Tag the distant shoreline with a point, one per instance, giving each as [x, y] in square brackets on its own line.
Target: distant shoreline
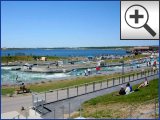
[109, 47]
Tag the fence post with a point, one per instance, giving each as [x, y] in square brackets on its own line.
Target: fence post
[137, 75]
[119, 80]
[80, 111]
[67, 92]
[93, 86]
[27, 114]
[37, 102]
[33, 99]
[129, 78]
[54, 113]
[45, 97]
[69, 109]
[107, 83]
[133, 77]
[77, 90]
[148, 72]
[113, 81]
[145, 73]
[63, 111]
[101, 85]
[86, 88]
[57, 94]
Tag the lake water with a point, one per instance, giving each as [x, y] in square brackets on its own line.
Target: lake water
[63, 52]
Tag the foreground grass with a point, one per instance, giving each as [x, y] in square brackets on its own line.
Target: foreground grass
[109, 106]
[52, 85]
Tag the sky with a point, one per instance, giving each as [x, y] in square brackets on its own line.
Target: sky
[32, 24]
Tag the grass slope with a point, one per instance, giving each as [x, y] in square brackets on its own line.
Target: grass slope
[109, 106]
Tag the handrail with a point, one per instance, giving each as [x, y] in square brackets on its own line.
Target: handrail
[150, 69]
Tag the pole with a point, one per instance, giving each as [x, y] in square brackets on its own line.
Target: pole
[57, 95]
[80, 110]
[77, 90]
[32, 99]
[85, 88]
[67, 92]
[63, 111]
[54, 113]
[69, 109]
[45, 97]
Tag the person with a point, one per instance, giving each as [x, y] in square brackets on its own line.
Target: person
[16, 77]
[22, 87]
[154, 69]
[138, 66]
[131, 90]
[149, 63]
[89, 71]
[145, 83]
[122, 91]
[97, 69]
[154, 64]
[127, 90]
[85, 73]
[57, 64]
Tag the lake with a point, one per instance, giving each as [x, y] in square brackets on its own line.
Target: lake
[63, 52]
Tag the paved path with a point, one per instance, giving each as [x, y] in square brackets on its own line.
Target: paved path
[62, 107]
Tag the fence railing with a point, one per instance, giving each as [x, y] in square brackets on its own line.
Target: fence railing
[82, 89]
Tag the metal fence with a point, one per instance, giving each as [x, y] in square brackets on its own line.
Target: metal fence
[67, 108]
[82, 89]
[148, 109]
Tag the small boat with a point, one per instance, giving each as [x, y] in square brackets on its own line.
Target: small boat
[128, 51]
[15, 68]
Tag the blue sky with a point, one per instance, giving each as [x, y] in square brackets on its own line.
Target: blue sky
[62, 24]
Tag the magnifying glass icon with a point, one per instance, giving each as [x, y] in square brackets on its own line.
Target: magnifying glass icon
[136, 16]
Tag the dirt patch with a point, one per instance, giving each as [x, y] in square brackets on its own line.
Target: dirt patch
[119, 110]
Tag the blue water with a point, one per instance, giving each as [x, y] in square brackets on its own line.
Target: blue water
[63, 52]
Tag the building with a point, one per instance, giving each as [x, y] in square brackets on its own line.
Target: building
[43, 59]
[145, 48]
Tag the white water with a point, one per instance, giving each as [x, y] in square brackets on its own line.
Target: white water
[9, 77]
